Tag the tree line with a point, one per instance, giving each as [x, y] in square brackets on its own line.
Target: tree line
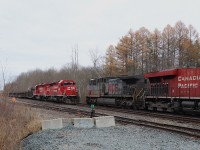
[143, 51]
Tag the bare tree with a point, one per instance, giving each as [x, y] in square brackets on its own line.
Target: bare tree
[3, 75]
[97, 60]
[75, 58]
[4, 80]
[181, 33]
[94, 54]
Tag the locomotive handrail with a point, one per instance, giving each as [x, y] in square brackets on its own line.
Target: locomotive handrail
[134, 92]
[139, 93]
[143, 94]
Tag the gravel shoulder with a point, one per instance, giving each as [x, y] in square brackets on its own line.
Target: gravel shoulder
[112, 138]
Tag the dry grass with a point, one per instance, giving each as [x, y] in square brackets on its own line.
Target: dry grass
[16, 122]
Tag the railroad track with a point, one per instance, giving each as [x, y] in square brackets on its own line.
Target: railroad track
[169, 116]
[86, 111]
[172, 128]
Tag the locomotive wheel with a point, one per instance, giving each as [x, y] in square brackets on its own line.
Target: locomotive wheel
[164, 109]
[154, 108]
[124, 105]
[146, 108]
[68, 101]
[118, 102]
[88, 101]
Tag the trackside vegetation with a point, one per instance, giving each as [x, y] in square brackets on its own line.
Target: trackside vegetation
[17, 122]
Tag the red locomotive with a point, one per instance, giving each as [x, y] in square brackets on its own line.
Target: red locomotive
[170, 90]
[40, 91]
[61, 91]
[177, 89]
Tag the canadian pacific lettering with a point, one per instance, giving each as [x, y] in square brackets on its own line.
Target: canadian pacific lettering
[182, 79]
[190, 78]
[189, 85]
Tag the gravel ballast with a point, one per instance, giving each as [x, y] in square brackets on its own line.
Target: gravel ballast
[111, 138]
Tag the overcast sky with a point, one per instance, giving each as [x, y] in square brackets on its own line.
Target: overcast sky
[42, 33]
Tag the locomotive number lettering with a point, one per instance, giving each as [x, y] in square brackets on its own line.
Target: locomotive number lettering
[113, 88]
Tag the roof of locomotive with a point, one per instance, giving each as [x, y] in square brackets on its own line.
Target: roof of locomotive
[66, 81]
[52, 83]
[136, 77]
[171, 72]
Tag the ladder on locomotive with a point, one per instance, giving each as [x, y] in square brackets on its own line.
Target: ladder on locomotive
[139, 99]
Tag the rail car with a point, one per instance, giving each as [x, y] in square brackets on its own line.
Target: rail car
[61, 91]
[25, 94]
[170, 90]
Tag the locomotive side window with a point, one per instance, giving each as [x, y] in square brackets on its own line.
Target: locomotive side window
[92, 82]
[68, 83]
[145, 81]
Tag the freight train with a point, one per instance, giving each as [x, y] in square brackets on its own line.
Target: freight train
[175, 90]
[61, 91]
